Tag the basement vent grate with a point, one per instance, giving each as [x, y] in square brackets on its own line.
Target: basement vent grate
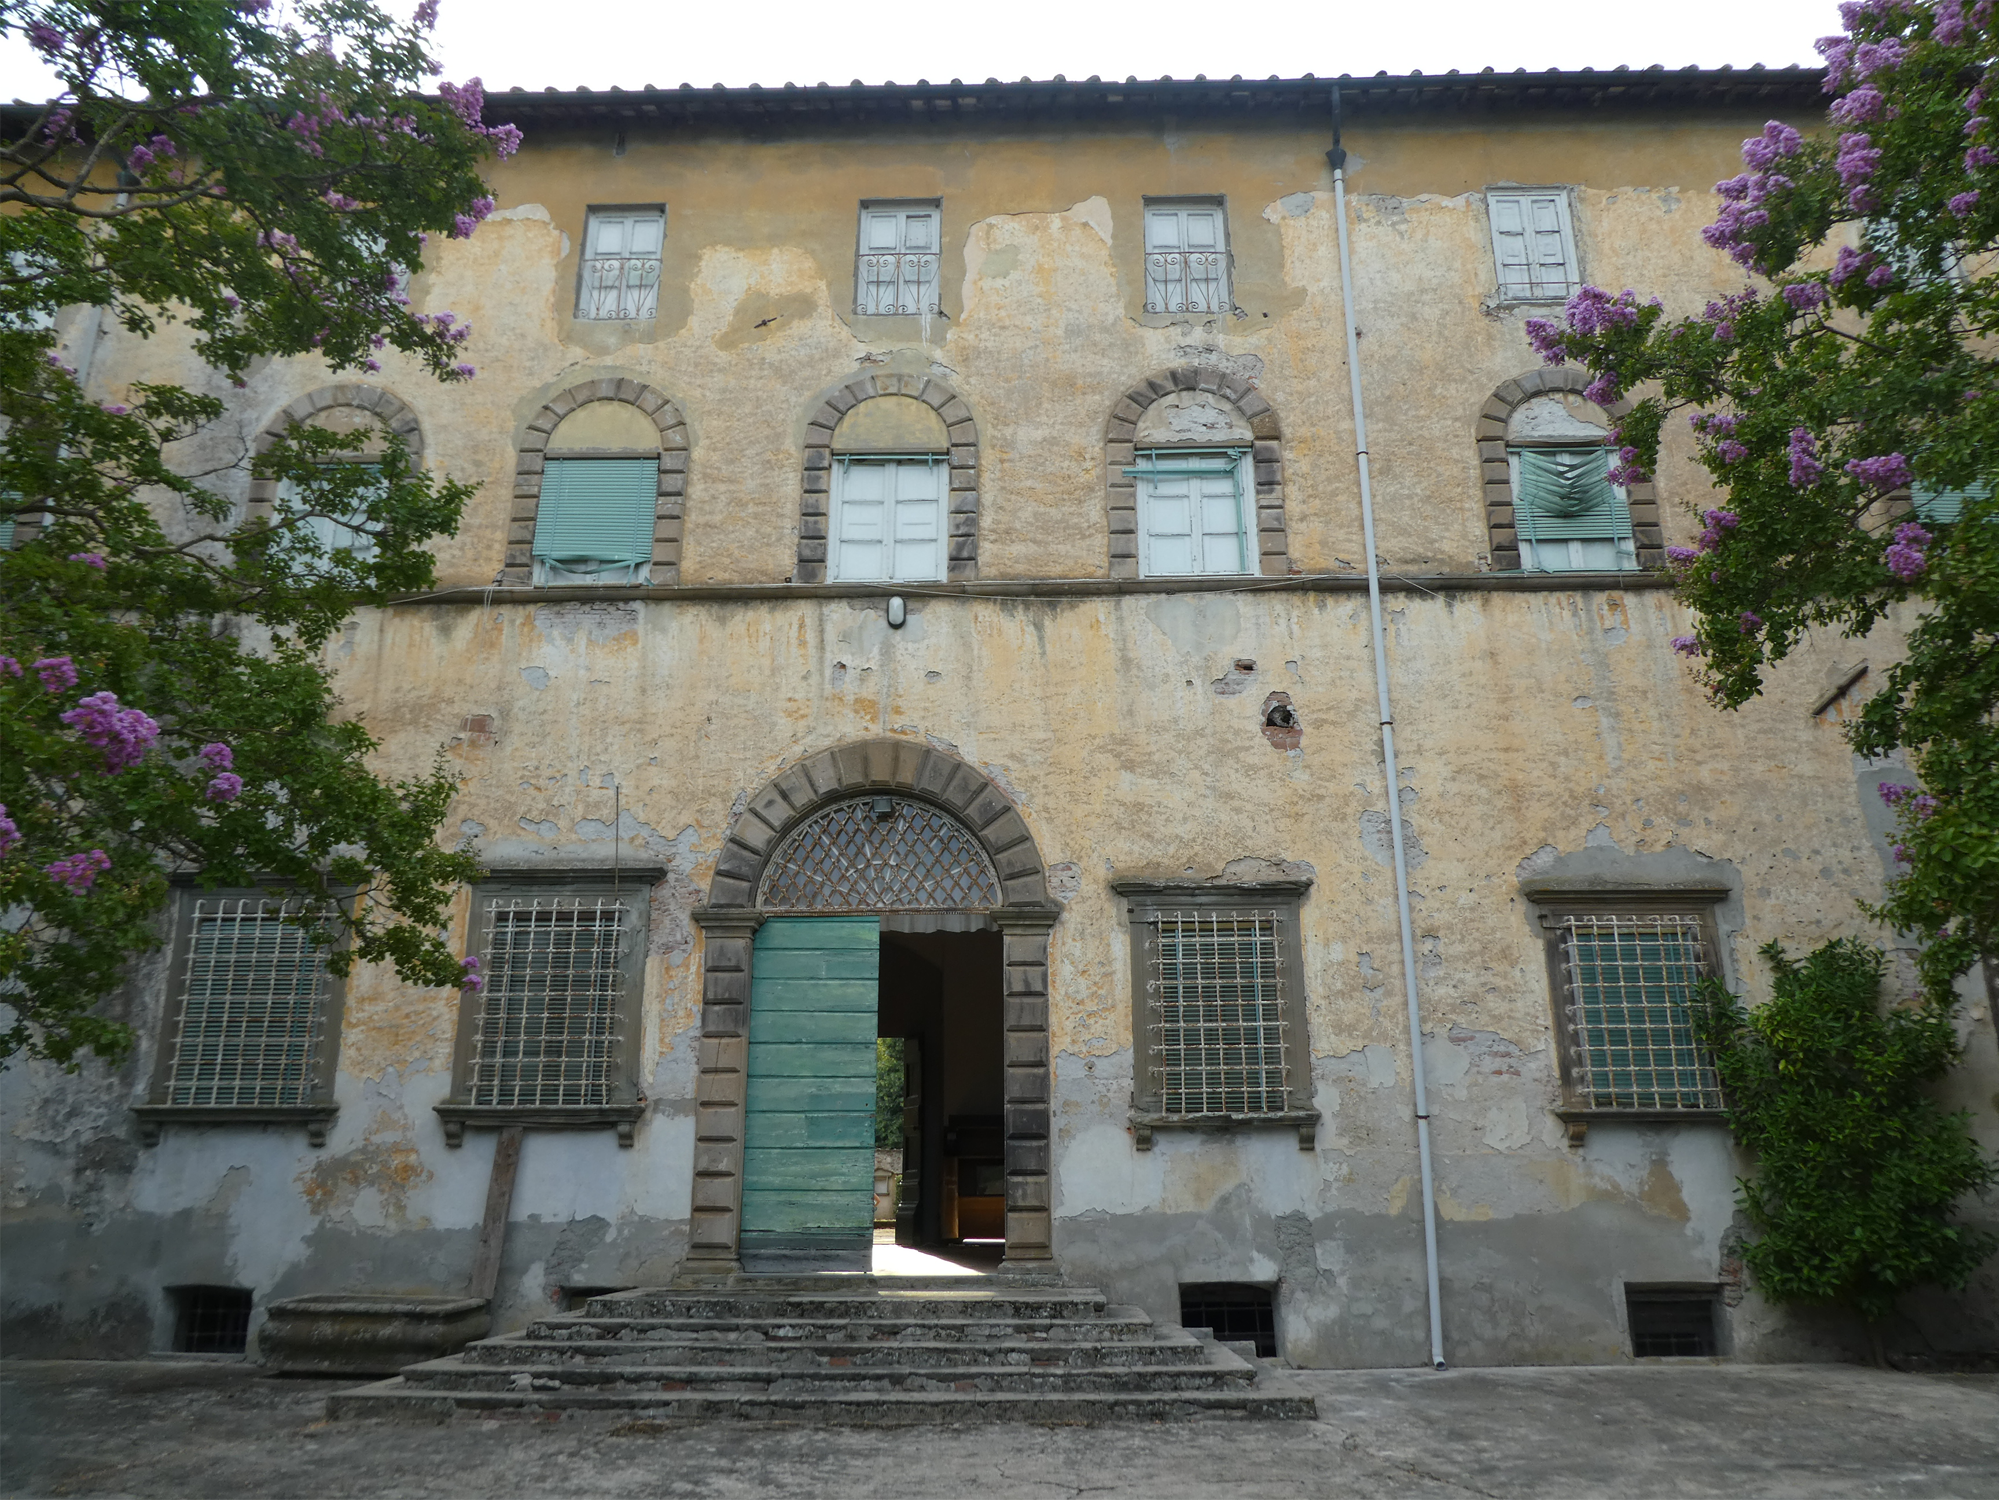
[211, 1319]
[1236, 1312]
[1670, 1321]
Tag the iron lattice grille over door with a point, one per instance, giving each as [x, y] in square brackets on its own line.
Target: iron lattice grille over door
[249, 1028]
[880, 854]
[1630, 982]
[547, 1033]
[1218, 1044]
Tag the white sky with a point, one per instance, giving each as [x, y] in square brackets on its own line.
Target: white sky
[571, 45]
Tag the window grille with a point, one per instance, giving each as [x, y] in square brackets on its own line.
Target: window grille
[1630, 984]
[1192, 519]
[1233, 1312]
[254, 1006]
[888, 519]
[547, 1031]
[1533, 246]
[880, 854]
[1218, 1044]
[1186, 259]
[620, 272]
[1569, 516]
[896, 270]
[1670, 1321]
[211, 1319]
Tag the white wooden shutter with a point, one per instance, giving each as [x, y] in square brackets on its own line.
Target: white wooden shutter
[888, 520]
[620, 275]
[1191, 515]
[1186, 259]
[1533, 245]
[896, 271]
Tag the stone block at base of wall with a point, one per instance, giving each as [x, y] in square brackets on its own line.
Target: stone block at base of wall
[366, 1333]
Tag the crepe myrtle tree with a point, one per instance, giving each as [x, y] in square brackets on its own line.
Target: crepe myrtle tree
[1846, 403]
[267, 182]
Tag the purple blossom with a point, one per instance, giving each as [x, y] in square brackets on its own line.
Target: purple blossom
[426, 15]
[1714, 423]
[463, 372]
[1682, 554]
[1593, 311]
[1860, 107]
[10, 835]
[1924, 806]
[1948, 29]
[227, 786]
[1751, 622]
[1729, 451]
[58, 673]
[1979, 156]
[1838, 54]
[1888, 472]
[1806, 470]
[1777, 141]
[218, 755]
[1806, 295]
[1962, 205]
[1901, 853]
[1851, 262]
[1687, 645]
[1627, 473]
[1718, 522]
[45, 39]
[1881, 276]
[1892, 793]
[10, 666]
[79, 871]
[1603, 390]
[1905, 557]
[469, 977]
[124, 735]
[1870, 58]
[89, 560]
[1857, 161]
[112, 408]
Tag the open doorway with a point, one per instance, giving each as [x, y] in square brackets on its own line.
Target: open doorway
[943, 1149]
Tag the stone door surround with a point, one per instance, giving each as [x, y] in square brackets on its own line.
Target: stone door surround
[910, 769]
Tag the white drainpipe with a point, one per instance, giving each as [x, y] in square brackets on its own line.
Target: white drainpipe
[1337, 156]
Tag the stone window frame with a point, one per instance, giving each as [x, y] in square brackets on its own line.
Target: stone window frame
[627, 1104]
[1549, 906]
[670, 510]
[962, 502]
[395, 413]
[729, 922]
[317, 1114]
[1266, 457]
[1143, 900]
[1496, 475]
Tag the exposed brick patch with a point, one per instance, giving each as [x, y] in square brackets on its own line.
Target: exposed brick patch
[1496, 480]
[670, 510]
[962, 503]
[1121, 491]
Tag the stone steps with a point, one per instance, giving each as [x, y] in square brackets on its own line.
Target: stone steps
[721, 1351]
[847, 1350]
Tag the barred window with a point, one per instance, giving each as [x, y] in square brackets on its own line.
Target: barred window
[549, 1022]
[1186, 257]
[619, 276]
[895, 269]
[1219, 1013]
[253, 1009]
[1626, 983]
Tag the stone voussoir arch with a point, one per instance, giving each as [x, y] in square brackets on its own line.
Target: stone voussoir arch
[395, 413]
[915, 771]
[815, 497]
[1496, 476]
[670, 510]
[1267, 454]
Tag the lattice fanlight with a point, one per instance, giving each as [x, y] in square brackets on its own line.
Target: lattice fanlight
[880, 854]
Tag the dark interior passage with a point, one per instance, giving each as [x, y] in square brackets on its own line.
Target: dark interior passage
[941, 992]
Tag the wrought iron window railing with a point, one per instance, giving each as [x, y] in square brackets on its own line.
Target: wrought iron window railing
[1630, 983]
[1191, 281]
[619, 287]
[898, 281]
[1218, 1030]
[547, 1033]
[880, 854]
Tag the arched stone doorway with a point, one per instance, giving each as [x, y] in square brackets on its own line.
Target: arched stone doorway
[896, 828]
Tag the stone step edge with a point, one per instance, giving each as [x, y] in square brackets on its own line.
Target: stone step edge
[1271, 1402]
[569, 1376]
[599, 1350]
[1116, 1320]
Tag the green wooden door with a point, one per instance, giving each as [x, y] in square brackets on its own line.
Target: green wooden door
[809, 1131]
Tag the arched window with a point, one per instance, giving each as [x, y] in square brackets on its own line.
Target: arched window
[891, 485]
[1194, 467]
[880, 853]
[363, 417]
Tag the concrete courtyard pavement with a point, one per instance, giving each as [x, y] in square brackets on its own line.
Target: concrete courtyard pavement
[198, 1429]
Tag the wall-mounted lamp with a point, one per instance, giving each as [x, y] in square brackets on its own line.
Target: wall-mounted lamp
[897, 611]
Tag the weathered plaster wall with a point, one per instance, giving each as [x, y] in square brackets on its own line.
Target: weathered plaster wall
[1543, 734]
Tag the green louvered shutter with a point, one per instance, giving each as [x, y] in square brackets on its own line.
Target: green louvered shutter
[1941, 507]
[596, 514]
[1565, 494]
[809, 1117]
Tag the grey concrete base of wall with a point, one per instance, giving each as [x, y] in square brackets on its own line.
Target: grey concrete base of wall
[363, 1333]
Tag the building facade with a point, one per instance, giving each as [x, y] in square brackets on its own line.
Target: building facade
[917, 588]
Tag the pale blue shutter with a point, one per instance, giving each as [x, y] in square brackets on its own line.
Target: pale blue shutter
[596, 514]
[1565, 494]
[1941, 507]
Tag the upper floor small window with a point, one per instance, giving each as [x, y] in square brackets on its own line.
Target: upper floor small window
[1193, 517]
[1186, 256]
[1533, 244]
[620, 272]
[895, 270]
